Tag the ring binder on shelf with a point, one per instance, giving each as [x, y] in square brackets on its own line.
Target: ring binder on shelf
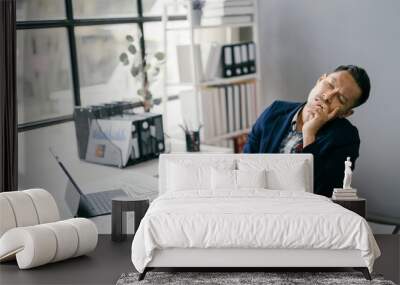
[227, 61]
[237, 60]
[252, 57]
[245, 58]
[230, 109]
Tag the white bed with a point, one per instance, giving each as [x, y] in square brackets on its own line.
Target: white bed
[201, 220]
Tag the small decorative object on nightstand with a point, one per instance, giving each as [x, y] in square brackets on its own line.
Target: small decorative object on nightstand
[347, 192]
[357, 205]
[348, 174]
[118, 215]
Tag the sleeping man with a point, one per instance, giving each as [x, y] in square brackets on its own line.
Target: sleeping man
[318, 126]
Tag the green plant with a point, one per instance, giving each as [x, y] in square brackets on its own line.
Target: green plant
[145, 73]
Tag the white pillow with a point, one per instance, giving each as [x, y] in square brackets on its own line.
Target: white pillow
[182, 177]
[237, 179]
[193, 173]
[251, 178]
[223, 179]
[282, 174]
[292, 178]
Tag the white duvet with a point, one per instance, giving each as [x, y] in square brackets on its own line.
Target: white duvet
[253, 218]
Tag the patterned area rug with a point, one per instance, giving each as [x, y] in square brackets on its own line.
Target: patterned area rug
[229, 278]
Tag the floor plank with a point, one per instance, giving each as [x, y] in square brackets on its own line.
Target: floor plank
[103, 266]
[110, 260]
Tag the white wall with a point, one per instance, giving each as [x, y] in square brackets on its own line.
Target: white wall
[300, 40]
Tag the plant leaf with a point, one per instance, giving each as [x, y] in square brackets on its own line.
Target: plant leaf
[129, 38]
[156, 71]
[140, 92]
[123, 57]
[159, 56]
[132, 49]
[135, 70]
[126, 62]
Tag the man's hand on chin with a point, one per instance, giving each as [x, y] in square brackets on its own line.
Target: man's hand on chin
[319, 116]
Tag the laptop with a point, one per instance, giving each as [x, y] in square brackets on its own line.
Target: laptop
[93, 204]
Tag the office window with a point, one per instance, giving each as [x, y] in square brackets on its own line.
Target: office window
[155, 8]
[44, 81]
[174, 118]
[154, 43]
[84, 38]
[105, 8]
[29, 10]
[102, 76]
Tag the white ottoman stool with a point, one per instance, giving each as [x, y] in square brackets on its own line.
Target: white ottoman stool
[31, 233]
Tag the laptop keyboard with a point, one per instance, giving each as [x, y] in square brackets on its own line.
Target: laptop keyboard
[133, 185]
[101, 203]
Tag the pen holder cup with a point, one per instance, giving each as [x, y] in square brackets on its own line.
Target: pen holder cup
[192, 141]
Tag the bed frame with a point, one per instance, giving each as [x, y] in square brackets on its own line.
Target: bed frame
[240, 259]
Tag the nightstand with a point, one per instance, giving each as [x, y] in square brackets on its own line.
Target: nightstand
[118, 215]
[358, 205]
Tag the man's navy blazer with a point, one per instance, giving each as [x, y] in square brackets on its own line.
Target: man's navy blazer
[334, 142]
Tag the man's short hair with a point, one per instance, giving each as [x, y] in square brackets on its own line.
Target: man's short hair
[361, 77]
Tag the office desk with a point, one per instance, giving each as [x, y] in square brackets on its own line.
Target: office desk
[141, 178]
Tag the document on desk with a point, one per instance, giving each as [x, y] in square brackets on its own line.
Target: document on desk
[137, 185]
[109, 142]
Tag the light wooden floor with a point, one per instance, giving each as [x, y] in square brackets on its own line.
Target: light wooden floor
[110, 260]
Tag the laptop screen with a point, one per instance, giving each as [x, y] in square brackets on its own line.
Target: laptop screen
[72, 191]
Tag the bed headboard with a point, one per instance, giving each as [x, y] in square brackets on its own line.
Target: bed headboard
[289, 161]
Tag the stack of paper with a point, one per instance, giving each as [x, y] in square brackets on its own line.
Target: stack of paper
[218, 12]
[344, 194]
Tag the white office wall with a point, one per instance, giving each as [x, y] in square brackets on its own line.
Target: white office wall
[300, 40]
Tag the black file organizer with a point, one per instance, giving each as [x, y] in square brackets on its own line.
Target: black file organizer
[152, 137]
[84, 115]
[82, 119]
[136, 153]
[147, 129]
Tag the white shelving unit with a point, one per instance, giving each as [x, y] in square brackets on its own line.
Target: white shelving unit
[231, 80]
[196, 85]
